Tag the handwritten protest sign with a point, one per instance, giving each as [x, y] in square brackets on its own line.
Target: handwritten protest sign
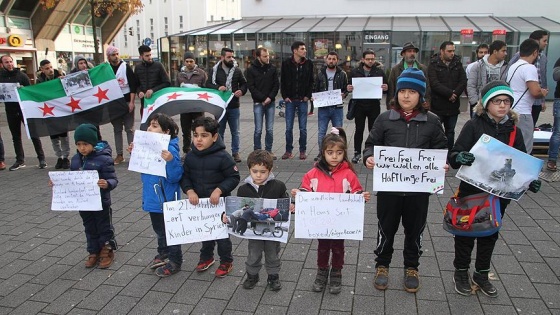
[8, 92]
[329, 216]
[367, 88]
[75, 191]
[186, 223]
[327, 98]
[408, 170]
[146, 155]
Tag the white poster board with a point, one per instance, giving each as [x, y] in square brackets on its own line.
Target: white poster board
[75, 191]
[8, 92]
[186, 223]
[500, 169]
[329, 216]
[367, 88]
[409, 170]
[327, 98]
[146, 155]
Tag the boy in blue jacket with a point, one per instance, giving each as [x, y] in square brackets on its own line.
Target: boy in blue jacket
[158, 189]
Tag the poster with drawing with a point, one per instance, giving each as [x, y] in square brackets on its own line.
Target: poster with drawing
[146, 155]
[74, 83]
[8, 92]
[258, 218]
[500, 169]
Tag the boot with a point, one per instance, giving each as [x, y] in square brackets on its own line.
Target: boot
[274, 282]
[106, 256]
[480, 278]
[251, 281]
[411, 280]
[335, 285]
[321, 279]
[462, 283]
[381, 278]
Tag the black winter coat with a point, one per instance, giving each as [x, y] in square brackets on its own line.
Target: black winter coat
[238, 82]
[43, 78]
[206, 170]
[445, 81]
[472, 130]
[262, 81]
[297, 79]
[151, 76]
[340, 81]
[358, 72]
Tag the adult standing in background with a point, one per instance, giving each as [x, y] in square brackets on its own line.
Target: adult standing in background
[151, 76]
[408, 53]
[554, 145]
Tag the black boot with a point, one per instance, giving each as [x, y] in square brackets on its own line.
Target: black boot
[335, 285]
[321, 279]
[274, 282]
[462, 283]
[251, 281]
[480, 278]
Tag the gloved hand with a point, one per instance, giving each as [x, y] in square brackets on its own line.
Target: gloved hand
[535, 185]
[465, 158]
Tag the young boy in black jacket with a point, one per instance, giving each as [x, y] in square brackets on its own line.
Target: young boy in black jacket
[210, 172]
[262, 184]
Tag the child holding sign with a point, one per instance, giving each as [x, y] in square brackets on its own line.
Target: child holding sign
[158, 189]
[333, 173]
[210, 172]
[406, 125]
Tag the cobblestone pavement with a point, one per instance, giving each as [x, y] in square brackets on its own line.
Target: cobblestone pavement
[42, 254]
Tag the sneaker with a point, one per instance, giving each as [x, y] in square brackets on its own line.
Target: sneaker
[411, 280]
[92, 260]
[168, 269]
[381, 278]
[2, 166]
[236, 157]
[42, 164]
[224, 269]
[106, 256]
[204, 265]
[273, 283]
[320, 279]
[58, 164]
[317, 157]
[251, 281]
[158, 261]
[310, 114]
[65, 163]
[480, 279]
[119, 159]
[17, 166]
[302, 155]
[335, 278]
[462, 283]
[287, 155]
[357, 157]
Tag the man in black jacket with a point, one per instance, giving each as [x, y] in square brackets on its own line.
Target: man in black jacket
[150, 74]
[10, 74]
[447, 80]
[262, 82]
[226, 76]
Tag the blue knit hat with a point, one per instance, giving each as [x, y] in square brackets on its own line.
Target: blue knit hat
[414, 79]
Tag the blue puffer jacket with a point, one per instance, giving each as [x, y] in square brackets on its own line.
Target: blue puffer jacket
[157, 189]
[100, 160]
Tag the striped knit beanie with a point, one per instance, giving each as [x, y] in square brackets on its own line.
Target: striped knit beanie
[495, 88]
[413, 79]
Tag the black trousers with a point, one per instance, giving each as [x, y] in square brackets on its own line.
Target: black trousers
[173, 252]
[484, 247]
[362, 112]
[15, 119]
[413, 210]
[98, 228]
[224, 250]
[186, 124]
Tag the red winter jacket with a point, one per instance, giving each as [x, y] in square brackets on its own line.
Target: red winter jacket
[341, 180]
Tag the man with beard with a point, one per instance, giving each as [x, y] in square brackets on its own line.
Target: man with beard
[330, 78]
[481, 51]
[226, 76]
[151, 76]
[190, 76]
[127, 82]
[447, 80]
[262, 81]
[365, 108]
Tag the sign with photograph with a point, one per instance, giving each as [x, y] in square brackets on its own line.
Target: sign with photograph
[8, 92]
[77, 82]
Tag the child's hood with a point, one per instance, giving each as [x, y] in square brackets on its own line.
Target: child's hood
[249, 180]
[215, 147]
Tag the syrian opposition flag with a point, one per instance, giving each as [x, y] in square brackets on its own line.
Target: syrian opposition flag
[180, 100]
[47, 109]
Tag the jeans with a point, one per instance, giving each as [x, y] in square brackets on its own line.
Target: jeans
[302, 121]
[260, 111]
[61, 145]
[232, 119]
[554, 144]
[15, 118]
[128, 122]
[173, 252]
[334, 114]
[186, 124]
[449, 122]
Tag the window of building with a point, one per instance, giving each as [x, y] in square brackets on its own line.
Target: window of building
[181, 22]
[165, 25]
[151, 24]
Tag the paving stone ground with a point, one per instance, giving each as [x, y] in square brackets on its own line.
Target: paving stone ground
[42, 253]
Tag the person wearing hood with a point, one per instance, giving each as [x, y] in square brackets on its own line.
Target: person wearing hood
[490, 68]
[263, 83]
[447, 80]
[150, 74]
[11, 74]
[80, 64]
[190, 76]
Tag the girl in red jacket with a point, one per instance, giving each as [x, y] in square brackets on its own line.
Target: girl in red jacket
[332, 173]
